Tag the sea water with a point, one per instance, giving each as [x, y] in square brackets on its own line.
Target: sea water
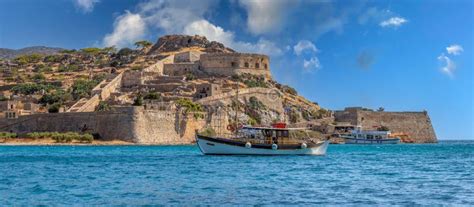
[404, 174]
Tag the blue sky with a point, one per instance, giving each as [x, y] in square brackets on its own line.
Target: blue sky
[401, 55]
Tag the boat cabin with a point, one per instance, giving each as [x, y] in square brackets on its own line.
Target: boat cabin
[271, 135]
[369, 134]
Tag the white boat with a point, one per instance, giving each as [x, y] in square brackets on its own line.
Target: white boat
[260, 141]
[359, 136]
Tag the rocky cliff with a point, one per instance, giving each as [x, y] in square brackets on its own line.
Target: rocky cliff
[170, 43]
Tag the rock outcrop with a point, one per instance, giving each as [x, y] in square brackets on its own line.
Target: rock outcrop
[171, 43]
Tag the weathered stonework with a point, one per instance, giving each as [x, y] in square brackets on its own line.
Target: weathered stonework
[417, 125]
[229, 64]
[133, 124]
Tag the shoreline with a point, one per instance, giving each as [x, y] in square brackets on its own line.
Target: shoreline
[51, 142]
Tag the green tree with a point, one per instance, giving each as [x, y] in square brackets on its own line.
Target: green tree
[143, 44]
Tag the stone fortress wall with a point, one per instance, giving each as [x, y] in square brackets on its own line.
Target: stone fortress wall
[222, 64]
[236, 63]
[416, 125]
[133, 124]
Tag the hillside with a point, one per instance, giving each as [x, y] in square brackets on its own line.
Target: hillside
[169, 89]
[11, 53]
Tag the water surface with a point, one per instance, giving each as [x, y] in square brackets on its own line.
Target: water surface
[406, 174]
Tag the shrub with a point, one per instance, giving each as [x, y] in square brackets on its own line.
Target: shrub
[190, 76]
[198, 116]
[152, 96]
[82, 88]
[255, 104]
[5, 135]
[289, 89]
[138, 101]
[87, 138]
[209, 132]
[31, 88]
[3, 98]
[38, 77]
[189, 105]
[252, 121]
[58, 96]
[103, 106]
[70, 136]
[54, 108]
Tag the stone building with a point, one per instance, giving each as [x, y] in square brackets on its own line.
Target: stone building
[11, 109]
[207, 90]
[229, 64]
[189, 56]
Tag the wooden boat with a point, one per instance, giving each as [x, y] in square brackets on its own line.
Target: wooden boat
[261, 141]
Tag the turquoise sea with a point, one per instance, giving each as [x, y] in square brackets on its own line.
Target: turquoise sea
[405, 174]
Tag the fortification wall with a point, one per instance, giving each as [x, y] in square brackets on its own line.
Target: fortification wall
[229, 64]
[417, 125]
[116, 124]
[180, 69]
[158, 66]
[133, 124]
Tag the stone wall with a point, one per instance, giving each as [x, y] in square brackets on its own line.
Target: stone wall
[133, 124]
[158, 66]
[229, 64]
[269, 97]
[116, 124]
[417, 125]
[132, 79]
[180, 69]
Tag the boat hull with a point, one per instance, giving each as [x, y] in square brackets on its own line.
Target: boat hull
[216, 146]
[371, 141]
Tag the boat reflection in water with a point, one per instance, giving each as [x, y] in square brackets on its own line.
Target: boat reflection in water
[275, 140]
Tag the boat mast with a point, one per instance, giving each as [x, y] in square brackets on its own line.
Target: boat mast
[237, 108]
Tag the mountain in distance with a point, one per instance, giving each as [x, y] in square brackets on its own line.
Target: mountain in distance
[6, 53]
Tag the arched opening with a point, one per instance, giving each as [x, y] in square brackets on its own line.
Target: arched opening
[246, 64]
[257, 65]
[265, 66]
[233, 64]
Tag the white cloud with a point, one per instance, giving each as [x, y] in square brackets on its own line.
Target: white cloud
[265, 16]
[311, 64]
[393, 22]
[212, 32]
[173, 16]
[86, 5]
[454, 49]
[303, 45]
[216, 33]
[183, 17]
[449, 66]
[128, 28]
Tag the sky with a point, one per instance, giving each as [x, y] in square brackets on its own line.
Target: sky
[402, 55]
